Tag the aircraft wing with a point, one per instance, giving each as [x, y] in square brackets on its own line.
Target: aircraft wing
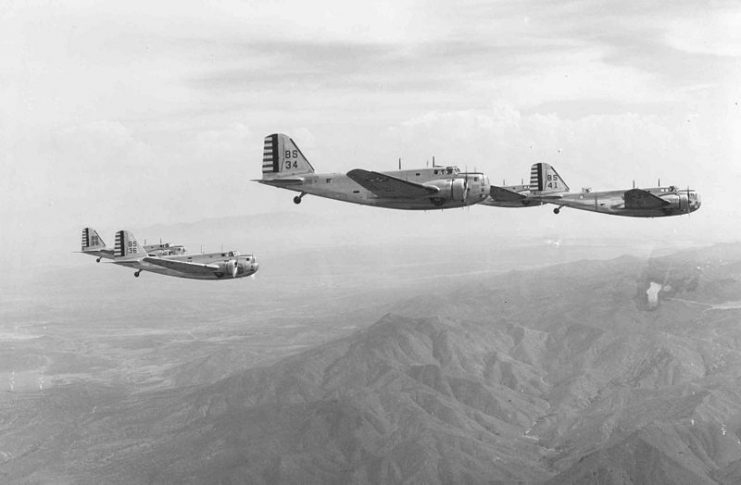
[503, 194]
[642, 199]
[183, 266]
[387, 186]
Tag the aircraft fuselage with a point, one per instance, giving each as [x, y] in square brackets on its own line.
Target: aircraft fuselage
[339, 186]
[246, 266]
[612, 202]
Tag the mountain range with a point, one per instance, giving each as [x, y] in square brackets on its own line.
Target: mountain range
[558, 374]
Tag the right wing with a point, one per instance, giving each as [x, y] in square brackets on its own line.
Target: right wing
[183, 266]
[387, 186]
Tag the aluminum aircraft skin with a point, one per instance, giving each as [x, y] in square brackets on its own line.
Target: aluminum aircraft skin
[284, 166]
[223, 265]
[547, 187]
[93, 245]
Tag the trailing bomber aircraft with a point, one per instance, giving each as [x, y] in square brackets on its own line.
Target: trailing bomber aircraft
[284, 166]
[210, 266]
[93, 245]
[547, 187]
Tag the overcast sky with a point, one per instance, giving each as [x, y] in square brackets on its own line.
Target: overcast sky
[133, 113]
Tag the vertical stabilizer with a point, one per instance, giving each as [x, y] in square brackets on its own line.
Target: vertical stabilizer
[91, 241]
[282, 157]
[127, 247]
[545, 180]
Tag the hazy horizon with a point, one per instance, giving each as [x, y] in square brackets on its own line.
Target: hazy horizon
[136, 115]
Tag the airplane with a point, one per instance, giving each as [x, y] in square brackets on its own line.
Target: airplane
[93, 245]
[284, 166]
[547, 187]
[210, 266]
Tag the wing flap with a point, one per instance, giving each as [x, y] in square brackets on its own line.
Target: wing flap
[183, 266]
[391, 187]
[642, 199]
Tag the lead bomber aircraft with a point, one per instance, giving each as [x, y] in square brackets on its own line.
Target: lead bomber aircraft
[284, 166]
[93, 245]
[547, 187]
[209, 266]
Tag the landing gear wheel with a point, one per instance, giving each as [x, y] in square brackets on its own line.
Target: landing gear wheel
[97, 260]
[297, 199]
[136, 275]
[557, 210]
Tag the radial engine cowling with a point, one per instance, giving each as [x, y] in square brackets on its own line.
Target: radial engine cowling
[231, 267]
[684, 203]
[458, 190]
[679, 202]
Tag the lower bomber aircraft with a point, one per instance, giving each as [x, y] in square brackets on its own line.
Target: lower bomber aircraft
[93, 245]
[284, 166]
[209, 266]
[547, 187]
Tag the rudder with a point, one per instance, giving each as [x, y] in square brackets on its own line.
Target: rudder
[91, 241]
[544, 179]
[281, 156]
[126, 246]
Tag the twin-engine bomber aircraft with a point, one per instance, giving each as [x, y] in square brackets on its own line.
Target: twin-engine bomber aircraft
[284, 166]
[547, 187]
[93, 245]
[210, 266]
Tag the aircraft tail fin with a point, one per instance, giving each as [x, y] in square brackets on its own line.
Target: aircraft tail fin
[91, 241]
[545, 180]
[281, 157]
[126, 246]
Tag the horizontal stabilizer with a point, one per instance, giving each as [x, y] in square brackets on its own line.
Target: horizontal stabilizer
[282, 181]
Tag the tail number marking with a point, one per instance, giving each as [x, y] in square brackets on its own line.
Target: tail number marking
[291, 154]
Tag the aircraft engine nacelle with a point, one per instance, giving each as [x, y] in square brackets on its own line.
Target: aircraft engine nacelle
[231, 267]
[684, 203]
[458, 190]
[679, 202]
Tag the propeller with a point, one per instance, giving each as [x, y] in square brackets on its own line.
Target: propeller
[689, 208]
[465, 187]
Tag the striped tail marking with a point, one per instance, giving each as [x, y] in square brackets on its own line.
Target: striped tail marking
[536, 177]
[270, 155]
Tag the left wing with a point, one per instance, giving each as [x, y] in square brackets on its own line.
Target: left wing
[387, 186]
[505, 194]
[642, 199]
[183, 266]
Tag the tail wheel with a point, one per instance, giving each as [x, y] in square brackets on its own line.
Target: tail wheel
[297, 199]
